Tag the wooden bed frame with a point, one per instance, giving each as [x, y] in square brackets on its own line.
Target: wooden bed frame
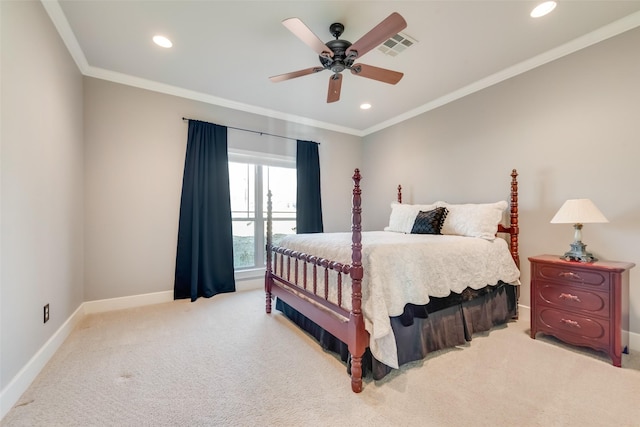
[301, 293]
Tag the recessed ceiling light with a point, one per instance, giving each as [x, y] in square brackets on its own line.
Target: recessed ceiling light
[162, 41]
[542, 9]
[365, 106]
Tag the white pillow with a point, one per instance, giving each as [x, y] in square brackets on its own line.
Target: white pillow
[403, 216]
[473, 220]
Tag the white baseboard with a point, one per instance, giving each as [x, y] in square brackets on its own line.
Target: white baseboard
[102, 305]
[23, 379]
[634, 341]
[21, 382]
[111, 304]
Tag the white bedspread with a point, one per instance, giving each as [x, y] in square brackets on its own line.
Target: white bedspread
[408, 268]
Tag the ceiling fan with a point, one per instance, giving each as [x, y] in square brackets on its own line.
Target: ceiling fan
[339, 55]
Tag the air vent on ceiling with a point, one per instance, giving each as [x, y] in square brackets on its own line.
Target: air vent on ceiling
[396, 44]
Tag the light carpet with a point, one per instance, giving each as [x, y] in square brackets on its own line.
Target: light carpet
[224, 362]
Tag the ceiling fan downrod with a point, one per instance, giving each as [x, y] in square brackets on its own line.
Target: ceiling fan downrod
[340, 60]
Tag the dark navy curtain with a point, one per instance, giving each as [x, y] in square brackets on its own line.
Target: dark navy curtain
[204, 259]
[308, 204]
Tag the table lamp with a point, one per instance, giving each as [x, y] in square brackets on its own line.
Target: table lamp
[578, 212]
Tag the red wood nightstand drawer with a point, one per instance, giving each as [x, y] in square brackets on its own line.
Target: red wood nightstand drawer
[573, 275]
[573, 327]
[575, 298]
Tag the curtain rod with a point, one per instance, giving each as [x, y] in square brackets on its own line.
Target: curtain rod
[255, 131]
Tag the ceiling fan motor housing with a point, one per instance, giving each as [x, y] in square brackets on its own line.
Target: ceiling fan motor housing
[340, 61]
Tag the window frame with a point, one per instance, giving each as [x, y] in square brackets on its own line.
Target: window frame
[258, 160]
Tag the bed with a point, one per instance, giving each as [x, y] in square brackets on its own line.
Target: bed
[435, 276]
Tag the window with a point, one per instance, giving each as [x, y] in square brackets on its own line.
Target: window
[250, 179]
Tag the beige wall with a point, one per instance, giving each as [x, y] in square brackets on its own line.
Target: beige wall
[42, 213]
[571, 130]
[92, 170]
[91, 178]
[135, 147]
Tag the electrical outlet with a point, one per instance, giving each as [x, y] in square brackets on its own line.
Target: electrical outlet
[46, 313]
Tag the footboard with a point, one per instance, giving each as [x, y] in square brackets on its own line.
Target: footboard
[318, 287]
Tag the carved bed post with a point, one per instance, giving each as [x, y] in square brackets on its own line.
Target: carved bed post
[267, 273]
[358, 339]
[399, 193]
[515, 253]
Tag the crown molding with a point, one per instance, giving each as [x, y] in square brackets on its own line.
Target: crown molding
[151, 85]
[62, 25]
[620, 26]
[57, 16]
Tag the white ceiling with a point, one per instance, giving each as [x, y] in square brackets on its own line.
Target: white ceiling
[224, 51]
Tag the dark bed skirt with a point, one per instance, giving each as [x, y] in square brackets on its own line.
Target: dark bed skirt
[443, 323]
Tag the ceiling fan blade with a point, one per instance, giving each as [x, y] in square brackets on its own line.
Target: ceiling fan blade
[335, 84]
[294, 74]
[300, 30]
[375, 73]
[390, 26]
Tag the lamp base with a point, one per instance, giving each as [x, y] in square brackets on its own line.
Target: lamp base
[579, 253]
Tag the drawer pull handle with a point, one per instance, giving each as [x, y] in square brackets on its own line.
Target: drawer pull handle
[572, 323]
[570, 275]
[569, 297]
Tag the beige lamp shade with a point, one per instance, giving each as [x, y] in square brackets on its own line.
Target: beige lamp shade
[578, 211]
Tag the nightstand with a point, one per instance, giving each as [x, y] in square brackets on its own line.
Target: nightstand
[585, 304]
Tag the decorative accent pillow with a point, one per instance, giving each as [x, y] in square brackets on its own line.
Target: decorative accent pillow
[403, 216]
[429, 222]
[473, 220]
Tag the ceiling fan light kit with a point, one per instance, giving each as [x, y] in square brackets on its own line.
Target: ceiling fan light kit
[339, 55]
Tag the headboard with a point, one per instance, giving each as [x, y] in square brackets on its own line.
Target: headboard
[512, 228]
